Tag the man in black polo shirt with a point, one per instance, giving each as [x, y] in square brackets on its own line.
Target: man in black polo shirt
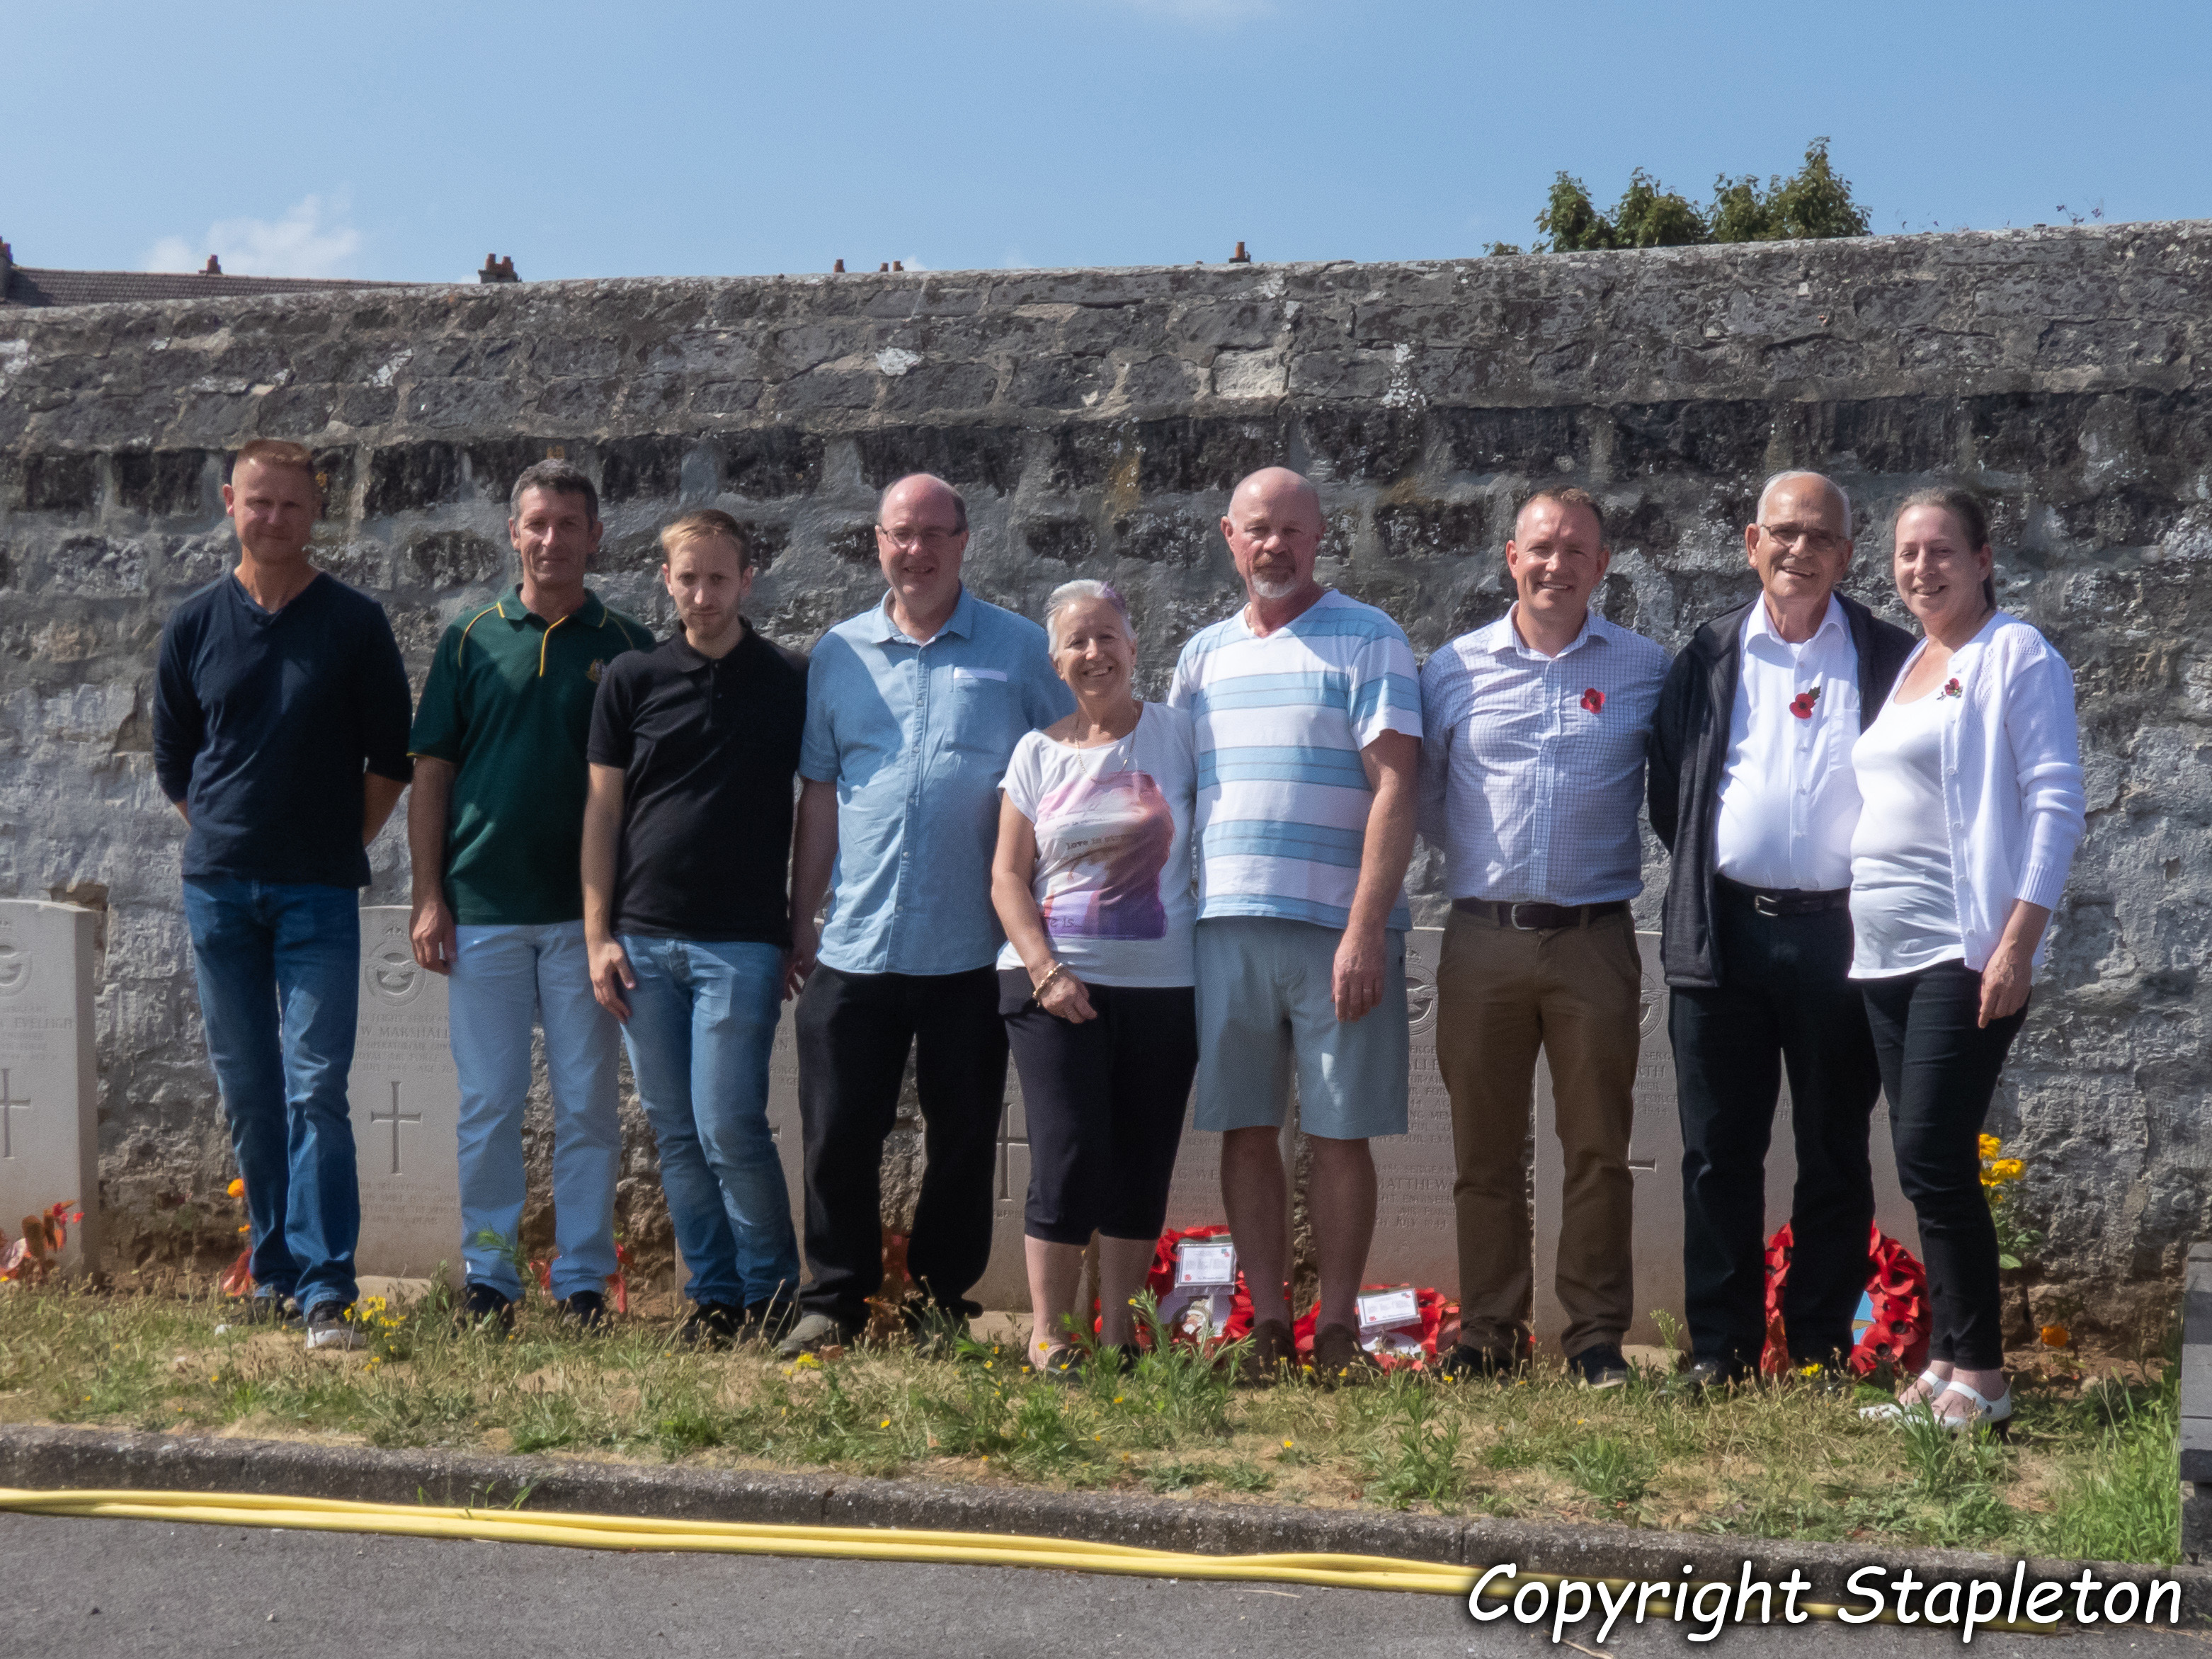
[687, 915]
[280, 733]
[494, 825]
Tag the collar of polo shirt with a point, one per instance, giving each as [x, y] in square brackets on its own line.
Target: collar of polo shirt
[960, 622]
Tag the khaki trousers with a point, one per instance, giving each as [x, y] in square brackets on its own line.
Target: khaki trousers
[1501, 993]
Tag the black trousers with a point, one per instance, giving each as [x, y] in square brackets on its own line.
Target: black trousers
[1104, 1104]
[1784, 1002]
[1939, 1069]
[855, 1031]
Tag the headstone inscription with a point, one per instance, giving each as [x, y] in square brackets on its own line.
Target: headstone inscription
[49, 1072]
[405, 1103]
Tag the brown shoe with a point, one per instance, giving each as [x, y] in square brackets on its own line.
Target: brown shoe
[1337, 1358]
[1273, 1348]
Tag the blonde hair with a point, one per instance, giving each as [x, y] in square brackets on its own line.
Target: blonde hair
[278, 452]
[706, 524]
[1076, 593]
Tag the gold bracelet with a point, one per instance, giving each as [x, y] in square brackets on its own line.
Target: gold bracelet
[1045, 984]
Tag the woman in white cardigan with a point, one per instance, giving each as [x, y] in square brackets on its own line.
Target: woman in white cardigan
[1972, 780]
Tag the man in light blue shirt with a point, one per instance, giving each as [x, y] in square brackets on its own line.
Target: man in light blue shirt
[912, 709]
[1532, 771]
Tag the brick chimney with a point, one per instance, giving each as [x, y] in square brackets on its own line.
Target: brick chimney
[214, 267]
[498, 270]
[1240, 258]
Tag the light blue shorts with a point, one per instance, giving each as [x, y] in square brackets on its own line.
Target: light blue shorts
[1267, 1012]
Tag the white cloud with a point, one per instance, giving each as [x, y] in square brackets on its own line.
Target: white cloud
[311, 240]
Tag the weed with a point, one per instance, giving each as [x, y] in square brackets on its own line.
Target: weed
[1421, 1461]
[1609, 1470]
[1176, 1477]
[1244, 1475]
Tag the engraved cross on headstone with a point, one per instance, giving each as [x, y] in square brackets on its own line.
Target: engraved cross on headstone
[9, 1107]
[395, 1117]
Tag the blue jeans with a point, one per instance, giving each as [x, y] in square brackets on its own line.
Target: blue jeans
[702, 1021]
[506, 979]
[279, 968]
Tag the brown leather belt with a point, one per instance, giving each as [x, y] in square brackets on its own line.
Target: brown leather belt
[1540, 917]
[1786, 900]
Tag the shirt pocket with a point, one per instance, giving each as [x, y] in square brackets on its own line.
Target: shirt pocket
[981, 714]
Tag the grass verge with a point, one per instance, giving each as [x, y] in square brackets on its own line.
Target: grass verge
[2091, 1470]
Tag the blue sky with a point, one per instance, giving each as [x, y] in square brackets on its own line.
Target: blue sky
[406, 140]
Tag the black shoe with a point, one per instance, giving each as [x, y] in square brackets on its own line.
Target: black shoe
[1601, 1365]
[1703, 1376]
[262, 1308]
[770, 1319]
[586, 1310]
[1469, 1362]
[713, 1325]
[484, 1309]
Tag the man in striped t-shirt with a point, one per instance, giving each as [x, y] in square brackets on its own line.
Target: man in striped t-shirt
[1308, 713]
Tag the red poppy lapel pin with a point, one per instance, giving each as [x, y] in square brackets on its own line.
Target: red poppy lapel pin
[1593, 700]
[1951, 688]
[1801, 704]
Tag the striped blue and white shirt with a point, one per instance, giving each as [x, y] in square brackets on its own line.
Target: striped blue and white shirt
[1282, 794]
[1533, 771]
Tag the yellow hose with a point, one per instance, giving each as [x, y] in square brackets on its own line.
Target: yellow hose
[613, 1532]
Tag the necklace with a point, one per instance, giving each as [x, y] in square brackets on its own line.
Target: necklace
[1115, 750]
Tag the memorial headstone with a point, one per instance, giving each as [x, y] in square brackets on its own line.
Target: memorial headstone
[49, 1072]
[406, 1102]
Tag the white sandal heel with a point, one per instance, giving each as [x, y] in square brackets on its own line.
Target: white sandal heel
[1995, 1413]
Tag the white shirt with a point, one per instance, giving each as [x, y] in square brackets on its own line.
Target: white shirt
[1532, 767]
[1788, 801]
[2012, 801]
[1905, 908]
[1114, 881]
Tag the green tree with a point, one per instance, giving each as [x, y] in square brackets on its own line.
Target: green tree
[1650, 215]
[1814, 201]
[1572, 222]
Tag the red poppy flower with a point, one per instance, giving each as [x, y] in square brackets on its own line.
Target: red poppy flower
[1593, 700]
[1951, 688]
[1801, 704]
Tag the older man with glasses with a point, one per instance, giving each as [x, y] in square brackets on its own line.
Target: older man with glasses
[1752, 791]
[913, 707]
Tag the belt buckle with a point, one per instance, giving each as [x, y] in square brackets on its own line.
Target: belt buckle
[1765, 904]
[1513, 916]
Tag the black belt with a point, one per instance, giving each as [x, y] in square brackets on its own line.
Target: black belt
[1786, 900]
[1540, 917]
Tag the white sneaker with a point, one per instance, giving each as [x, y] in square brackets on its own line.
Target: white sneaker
[330, 1326]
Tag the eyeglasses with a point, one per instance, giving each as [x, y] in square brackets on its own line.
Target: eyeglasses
[933, 538]
[1814, 540]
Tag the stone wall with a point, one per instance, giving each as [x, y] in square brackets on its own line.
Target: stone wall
[1095, 420]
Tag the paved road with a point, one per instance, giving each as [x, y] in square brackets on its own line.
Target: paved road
[150, 1590]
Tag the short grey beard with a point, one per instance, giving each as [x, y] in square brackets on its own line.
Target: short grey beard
[1274, 588]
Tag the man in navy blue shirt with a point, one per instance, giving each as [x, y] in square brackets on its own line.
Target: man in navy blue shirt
[280, 733]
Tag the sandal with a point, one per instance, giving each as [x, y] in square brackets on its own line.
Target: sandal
[1057, 1363]
[1996, 1414]
[1890, 1411]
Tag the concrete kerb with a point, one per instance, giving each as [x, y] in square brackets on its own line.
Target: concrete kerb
[91, 1459]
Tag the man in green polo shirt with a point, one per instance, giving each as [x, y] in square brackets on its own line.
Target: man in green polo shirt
[495, 825]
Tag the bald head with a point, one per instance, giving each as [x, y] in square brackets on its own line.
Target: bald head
[1280, 492]
[921, 489]
[921, 530]
[1798, 482]
[1273, 529]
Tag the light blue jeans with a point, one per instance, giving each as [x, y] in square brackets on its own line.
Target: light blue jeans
[279, 967]
[505, 979]
[701, 1023]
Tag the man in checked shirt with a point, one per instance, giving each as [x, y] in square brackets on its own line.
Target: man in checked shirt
[1531, 776]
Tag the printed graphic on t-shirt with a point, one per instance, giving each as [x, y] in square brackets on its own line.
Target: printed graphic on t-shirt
[1106, 839]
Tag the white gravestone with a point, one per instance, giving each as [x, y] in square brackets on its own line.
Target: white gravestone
[406, 1102]
[49, 1072]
